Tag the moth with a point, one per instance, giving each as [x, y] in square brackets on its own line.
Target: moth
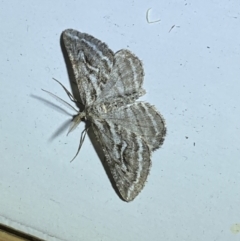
[127, 130]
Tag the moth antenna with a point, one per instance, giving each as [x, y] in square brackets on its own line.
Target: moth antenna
[71, 97]
[61, 100]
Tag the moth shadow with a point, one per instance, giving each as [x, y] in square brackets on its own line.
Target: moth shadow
[51, 104]
[65, 125]
[92, 137]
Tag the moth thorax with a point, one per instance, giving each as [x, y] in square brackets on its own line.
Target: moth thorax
[100, 108]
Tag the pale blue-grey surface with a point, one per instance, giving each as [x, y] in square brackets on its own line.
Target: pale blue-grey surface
[192, 75]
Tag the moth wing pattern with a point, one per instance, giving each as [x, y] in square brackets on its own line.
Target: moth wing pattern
[91, 61]
[143, 119]
[126, 78]
[127, 155]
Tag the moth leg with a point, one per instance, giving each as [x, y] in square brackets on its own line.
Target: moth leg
[83, 134]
